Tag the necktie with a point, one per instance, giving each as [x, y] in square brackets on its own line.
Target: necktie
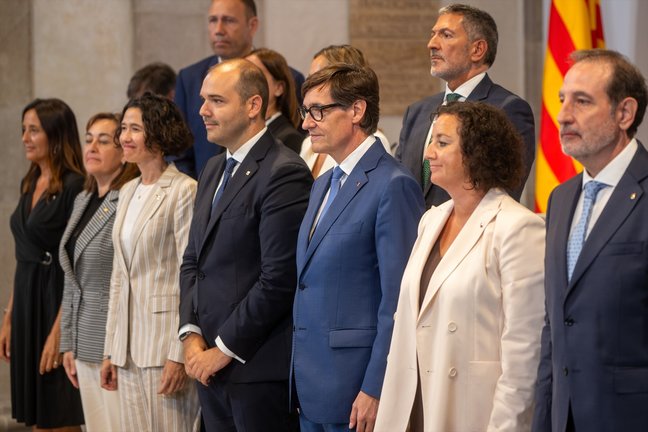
[425, 174]
[577, 239]
[333, 189]
[229, 168]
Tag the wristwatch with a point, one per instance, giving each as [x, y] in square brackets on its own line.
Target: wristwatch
[185, 335]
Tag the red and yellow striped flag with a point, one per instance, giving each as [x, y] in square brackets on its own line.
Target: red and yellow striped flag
[573, 25]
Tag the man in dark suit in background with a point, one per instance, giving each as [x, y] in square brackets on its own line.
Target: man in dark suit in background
[232, 25]
[352, 249]
[462, 48]
[593, 374]
[238, 274]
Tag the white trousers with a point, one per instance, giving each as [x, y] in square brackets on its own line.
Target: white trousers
[100, 407]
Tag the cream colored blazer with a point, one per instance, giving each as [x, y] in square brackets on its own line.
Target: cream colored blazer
[477, 334]
[144, 297]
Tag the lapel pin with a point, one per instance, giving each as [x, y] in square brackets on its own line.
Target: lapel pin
[157, 197]
[105, 209]
[358, 184]
[247, 173]
[633, 195]
[481, 224]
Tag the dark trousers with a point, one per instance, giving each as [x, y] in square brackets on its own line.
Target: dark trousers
[247, 407]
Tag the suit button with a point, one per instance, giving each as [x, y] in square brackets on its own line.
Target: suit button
[452, 327]
[452, 372]
[302, 286]
[565, 371]
[201, 275]
[569, 322]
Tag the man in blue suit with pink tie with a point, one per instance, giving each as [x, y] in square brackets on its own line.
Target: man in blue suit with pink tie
[593, 374]
[353, 245]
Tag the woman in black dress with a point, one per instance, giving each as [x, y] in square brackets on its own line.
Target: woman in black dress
[41, 394]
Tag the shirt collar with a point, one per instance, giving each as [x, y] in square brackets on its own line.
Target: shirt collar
[352, 160]
[466, 88]
[272, 118]
[614, 170]
[240, 154]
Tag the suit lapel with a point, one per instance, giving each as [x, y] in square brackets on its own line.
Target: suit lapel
[80, 205]
[482, 90]
[623, 200]
[202, 213]
[438, 217]
[421, 137]
[246, 171]
[563, 213]
[463, 244]
[126, 195]
[97, 222]
[153, 203]
[320, 187]
[354, 182]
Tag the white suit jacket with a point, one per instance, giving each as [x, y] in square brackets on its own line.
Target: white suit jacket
[477, 333]
[149, 289]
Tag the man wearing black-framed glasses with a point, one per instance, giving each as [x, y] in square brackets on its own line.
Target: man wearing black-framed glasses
[352, 249]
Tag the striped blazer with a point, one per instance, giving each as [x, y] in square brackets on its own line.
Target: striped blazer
[87, 279]
[147, 291]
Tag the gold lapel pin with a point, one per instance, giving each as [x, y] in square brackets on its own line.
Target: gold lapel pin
[105, 209]
[633, 195]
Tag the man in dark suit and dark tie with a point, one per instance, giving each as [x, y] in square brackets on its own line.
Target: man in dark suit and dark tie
[353, 245]
[593, 374]
[232, 25]
[462, 48]
[238, 274]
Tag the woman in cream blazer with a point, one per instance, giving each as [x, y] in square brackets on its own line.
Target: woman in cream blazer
[465, 348]
[143, 356]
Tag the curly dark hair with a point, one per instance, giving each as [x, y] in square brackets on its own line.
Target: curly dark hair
[490, 145]
[164, 127]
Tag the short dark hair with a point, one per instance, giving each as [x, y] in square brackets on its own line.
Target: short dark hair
[348, 83]
[127, 172]
[490, 145]
[164, 126]
[251, 81]
[478, 25]
[63, 145]
[158, 78]
[626, 80]
[342, 54]
[278, 68]
[250, 8]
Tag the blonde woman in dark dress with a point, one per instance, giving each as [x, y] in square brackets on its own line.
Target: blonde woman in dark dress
[41, 395]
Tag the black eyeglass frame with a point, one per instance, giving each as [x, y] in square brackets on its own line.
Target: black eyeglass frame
[319, 109]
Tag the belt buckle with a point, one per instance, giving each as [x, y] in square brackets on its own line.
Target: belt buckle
[48, 259]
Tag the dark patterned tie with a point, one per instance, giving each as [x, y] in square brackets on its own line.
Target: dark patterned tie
[229, 168]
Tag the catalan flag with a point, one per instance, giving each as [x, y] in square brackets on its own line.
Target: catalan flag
[573, 25]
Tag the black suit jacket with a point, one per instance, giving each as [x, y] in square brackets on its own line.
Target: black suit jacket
[594, 353]
[238, 275]
[187, 97]
[284, 131]
[418, 118]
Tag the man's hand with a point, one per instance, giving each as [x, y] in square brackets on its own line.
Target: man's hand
[363, 413]
[205, 364]
[5, 338]
[173, 378]
[193, 345]
[70, 368]
[108, 375]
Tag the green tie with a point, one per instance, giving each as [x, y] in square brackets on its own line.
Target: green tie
[425, 174]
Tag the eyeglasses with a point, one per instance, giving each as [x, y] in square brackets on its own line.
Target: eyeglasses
[316, 111]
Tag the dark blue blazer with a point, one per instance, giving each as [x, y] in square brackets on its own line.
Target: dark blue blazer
[349, 277]
[187, 97]
[238, 275]
[418, 118]
[594, 352]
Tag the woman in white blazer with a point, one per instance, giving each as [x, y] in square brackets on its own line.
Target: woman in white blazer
[143, 355]
[465, 347]
[86, 255]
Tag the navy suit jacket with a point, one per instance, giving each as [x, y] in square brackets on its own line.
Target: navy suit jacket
[238, 276]
[349, 277]
[418, 118]
[594, 352]
[187, 97]
[284, 131]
